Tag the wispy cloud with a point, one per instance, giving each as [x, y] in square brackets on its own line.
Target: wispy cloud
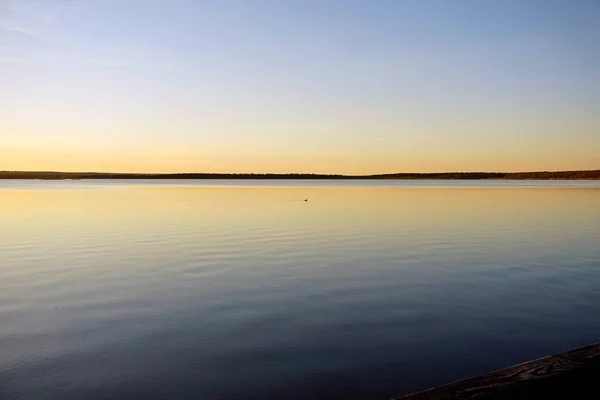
[17, 26]
[40, 21]
[34, 18]
[16, 21]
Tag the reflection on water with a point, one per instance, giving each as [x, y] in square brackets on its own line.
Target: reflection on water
[155, 291]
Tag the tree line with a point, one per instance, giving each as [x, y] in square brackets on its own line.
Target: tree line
[544, 175]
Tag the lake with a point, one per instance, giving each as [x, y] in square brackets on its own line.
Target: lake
[242, 290]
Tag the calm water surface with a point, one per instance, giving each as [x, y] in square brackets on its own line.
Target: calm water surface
[241, 290]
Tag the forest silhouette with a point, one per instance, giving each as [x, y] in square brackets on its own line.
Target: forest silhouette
[544, 175]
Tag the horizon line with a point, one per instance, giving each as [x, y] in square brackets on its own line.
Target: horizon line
[293, 173]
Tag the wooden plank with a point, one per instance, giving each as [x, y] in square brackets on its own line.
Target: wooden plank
[574, 374]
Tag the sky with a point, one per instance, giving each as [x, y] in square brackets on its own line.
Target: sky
[308, 86]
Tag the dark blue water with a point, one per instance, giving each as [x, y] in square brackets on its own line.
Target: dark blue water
[241, 290]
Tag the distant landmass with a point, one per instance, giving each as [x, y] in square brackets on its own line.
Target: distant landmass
[544, 175]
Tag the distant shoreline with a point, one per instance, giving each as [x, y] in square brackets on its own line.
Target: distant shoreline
[542, 175]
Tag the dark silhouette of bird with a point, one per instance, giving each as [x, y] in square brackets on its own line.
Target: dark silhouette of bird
[306, 200]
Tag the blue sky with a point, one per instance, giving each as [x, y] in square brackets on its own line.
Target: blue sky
[299, 86]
